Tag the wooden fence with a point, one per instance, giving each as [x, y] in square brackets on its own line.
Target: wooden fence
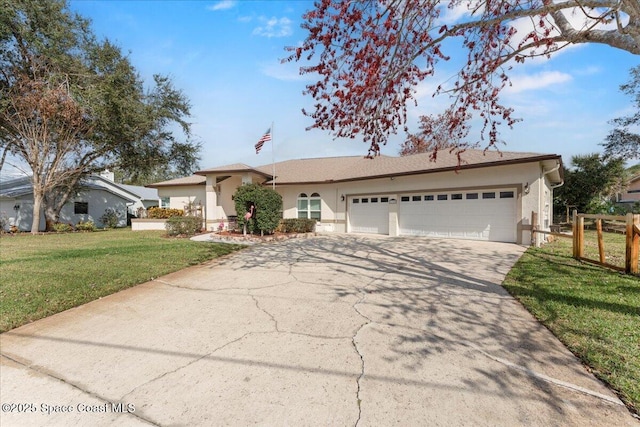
[632, 243]
[632, 240]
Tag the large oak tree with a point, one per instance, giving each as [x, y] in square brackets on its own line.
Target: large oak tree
[370, 56]
[624, 139]
[71, 105]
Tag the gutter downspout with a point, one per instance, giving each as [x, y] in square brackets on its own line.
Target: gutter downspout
[553, 170]
[541, 200]
[551, 187]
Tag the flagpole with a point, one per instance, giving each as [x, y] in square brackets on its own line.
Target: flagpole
[273, 160]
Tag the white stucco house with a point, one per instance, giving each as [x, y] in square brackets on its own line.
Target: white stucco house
[488, 196]
[97, 194]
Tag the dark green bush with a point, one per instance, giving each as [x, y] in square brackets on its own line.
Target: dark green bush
[110, 218]
[183, 225]
[163, 213]
[268, 204]
[296, 225]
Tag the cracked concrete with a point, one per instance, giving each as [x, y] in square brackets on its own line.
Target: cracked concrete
[335, 330]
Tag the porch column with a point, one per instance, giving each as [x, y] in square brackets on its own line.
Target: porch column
[211, 204]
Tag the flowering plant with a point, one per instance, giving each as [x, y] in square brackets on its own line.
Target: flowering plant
[221, 226]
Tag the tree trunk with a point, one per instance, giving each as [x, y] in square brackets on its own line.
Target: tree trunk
[37, 205]
[51, 217]
[51, 214]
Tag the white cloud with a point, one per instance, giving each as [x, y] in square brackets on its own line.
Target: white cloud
[222, 5]
[537, 81]
[288, 71]
[274, 27]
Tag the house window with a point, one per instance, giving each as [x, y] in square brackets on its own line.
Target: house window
[365, 200]
[356, 200]
[428, 198]
[506, 194]
[416, 198]
[384, 200]
[310, 206]
[443, 197]
[404, 199]
[472, 196]
[374, 200]
[165, 202]
[456, 196]
[488, 195]
[80, 208]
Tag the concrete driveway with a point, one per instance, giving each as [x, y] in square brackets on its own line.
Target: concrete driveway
[339, 330]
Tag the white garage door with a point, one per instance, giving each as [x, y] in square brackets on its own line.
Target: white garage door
[478, 215]
[369, 214]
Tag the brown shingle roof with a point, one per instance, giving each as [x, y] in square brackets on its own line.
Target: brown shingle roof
[335, 169]
[189, 180]
[234, 168]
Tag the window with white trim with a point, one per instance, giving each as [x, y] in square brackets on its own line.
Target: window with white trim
[165, 202]
[309, 206]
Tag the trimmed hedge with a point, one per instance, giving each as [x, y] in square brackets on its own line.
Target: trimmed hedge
[297, 225]
[163, 213]
[183, 225]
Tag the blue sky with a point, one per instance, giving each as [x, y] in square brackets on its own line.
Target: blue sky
[225, 56]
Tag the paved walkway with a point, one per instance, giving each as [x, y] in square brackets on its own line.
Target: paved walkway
[339, 330]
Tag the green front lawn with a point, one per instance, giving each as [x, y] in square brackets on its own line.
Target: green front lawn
[45, 274]
[594, 311]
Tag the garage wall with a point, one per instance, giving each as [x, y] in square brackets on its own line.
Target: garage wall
[335, 211]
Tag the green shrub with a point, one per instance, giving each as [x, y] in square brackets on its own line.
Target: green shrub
[110, 218]
[60, 227]
[183, 225]
[86, 226]
[163, 213]
[268, 208]
[297, 225]
[4, 222]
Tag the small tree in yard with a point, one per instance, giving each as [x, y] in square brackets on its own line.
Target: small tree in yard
[267, 207]
[591, 183]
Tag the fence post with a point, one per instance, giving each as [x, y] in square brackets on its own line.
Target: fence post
[574, 231]
[631, 253]
[578, 235]
[600, 239]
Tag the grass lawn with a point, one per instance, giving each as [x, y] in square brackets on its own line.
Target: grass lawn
[45, 274]
[594, 311]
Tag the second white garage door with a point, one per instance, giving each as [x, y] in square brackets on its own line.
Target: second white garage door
[479, 215]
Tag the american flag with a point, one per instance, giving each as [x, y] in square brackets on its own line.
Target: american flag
[266, 137]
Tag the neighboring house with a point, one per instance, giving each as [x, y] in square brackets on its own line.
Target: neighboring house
[97, 195]
[632, 193]
[489, 196]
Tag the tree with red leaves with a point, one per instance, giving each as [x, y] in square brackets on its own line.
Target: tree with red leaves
[371, 55]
